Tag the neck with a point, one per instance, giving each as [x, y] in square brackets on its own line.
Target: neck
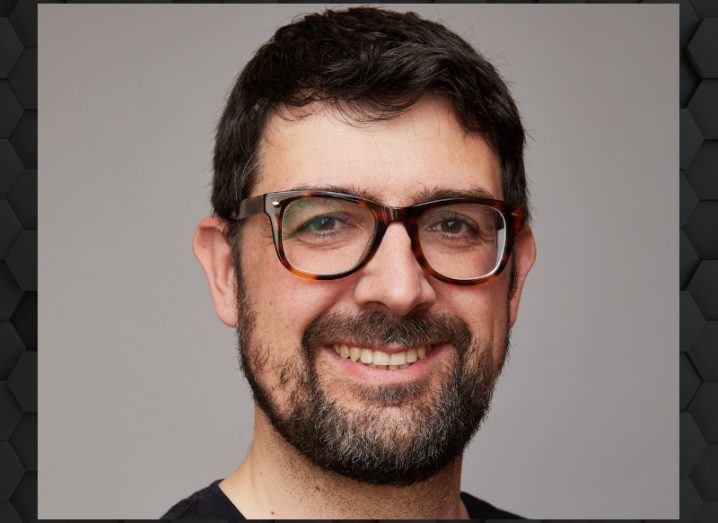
[275, 482]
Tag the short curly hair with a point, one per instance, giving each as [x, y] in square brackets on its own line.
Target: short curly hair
[372, 64]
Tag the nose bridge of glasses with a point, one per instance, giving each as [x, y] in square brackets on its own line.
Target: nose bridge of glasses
[395, 214]
[390, 215]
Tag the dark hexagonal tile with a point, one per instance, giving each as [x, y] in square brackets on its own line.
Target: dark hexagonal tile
[688, 260]
[689, 381]
[23, 199]
[24, 499]
[10, 412]
[691, 320]
[23, 381]
[24, 20]
[692, 443]
[10, 167]
[703, 410]
[25, 320]
[5, 10]
[708, 513]
[705, 474]
[9, 228]
[689, 21]
[703, 173]
[704, 109]
[704, 352]
[24, 139]
[10, 47]
[22, 260]
[690, 501]
[705, 8]
[10, 293]
[688, 199]
[704, 288]
[10, 109]
[702, 230]
[23, 78]
[24, 441]
[688, 81]
[702, 48]
[11, 471]
[691, 138]
[8, 514]
[11, 348]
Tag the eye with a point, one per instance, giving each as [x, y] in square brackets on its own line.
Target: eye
[452, 225]
[324, 223]
[325, 229]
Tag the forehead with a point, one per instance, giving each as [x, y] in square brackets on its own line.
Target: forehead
[392, 161]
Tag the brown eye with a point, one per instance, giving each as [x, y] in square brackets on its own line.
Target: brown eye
[320, 223]
[452, 226]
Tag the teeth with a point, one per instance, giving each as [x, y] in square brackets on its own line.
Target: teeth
[366, 356]
[355, 353]
[398, 358]
[382, 360]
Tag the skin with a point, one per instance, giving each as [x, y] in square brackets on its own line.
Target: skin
[395, 160]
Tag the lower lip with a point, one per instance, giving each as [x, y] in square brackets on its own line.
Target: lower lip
[366, 373]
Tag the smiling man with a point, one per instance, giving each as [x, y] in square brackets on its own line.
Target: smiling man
[369, 243]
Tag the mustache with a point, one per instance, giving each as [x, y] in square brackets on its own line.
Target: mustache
[375, 329]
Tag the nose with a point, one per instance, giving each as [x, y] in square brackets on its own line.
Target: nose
[393, 279]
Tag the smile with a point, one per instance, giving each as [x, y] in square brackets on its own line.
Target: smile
[382, 360]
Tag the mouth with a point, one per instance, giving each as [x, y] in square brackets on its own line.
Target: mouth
[385, 365]
[392, 359]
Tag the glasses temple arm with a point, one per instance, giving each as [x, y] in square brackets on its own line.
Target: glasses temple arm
[249, 206]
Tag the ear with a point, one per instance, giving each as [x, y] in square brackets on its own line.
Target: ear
[525, 255]
[215, 255]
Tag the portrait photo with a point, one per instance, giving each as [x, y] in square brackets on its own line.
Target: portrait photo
[397, 261]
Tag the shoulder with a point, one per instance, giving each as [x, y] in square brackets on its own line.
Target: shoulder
[207, 503]
[479, 509]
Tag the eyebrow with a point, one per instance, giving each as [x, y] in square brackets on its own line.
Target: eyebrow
[425, 195]
[351, 190]
[439, 193]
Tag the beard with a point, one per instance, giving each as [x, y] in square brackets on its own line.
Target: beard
[402, 433]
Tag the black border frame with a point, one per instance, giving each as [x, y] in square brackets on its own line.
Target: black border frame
[18, 268]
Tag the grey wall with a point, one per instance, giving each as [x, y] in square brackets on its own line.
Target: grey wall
[140, 397]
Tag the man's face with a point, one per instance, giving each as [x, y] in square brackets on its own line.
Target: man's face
[377, 425]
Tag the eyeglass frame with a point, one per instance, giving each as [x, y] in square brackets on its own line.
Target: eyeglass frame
[273, 204]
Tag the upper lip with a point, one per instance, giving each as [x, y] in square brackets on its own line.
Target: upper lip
[389, 349]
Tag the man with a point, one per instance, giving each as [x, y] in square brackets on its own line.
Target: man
[369, 244]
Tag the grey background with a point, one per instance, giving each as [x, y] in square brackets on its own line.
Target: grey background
[140, 397]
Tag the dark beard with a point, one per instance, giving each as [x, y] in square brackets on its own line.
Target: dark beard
[369, 445]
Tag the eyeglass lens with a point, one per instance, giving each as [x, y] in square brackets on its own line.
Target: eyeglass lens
[326, 236]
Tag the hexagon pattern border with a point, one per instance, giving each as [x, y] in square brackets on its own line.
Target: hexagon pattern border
[698, 258]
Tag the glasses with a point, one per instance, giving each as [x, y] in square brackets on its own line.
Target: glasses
[324, 235]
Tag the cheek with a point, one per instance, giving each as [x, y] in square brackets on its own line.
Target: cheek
[484, 309]
[283, 304]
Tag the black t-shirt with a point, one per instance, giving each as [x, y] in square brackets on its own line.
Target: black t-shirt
[212, 503]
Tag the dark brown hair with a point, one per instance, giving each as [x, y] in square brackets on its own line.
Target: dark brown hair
[371, 64]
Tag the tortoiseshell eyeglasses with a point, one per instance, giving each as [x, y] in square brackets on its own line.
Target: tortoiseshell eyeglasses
[325, 235]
